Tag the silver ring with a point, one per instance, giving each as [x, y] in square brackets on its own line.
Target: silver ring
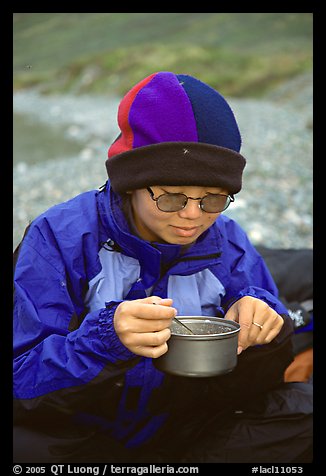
[258, 325]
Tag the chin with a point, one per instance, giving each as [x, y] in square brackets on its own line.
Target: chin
[182, 241]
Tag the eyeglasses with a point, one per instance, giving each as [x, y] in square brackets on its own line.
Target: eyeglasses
[174, 202]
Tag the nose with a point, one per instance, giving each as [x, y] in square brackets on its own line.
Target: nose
[192, 210]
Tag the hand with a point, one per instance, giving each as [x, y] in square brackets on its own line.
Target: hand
[143, 328]
[249, 312]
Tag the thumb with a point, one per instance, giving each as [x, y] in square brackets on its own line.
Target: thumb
[233, 315]
[166, 302]
[158, 300]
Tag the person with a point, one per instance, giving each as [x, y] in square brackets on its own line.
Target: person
[88, 271]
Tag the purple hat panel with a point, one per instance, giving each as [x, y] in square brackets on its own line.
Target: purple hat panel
[162, 112]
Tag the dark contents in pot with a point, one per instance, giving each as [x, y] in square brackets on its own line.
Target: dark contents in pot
[201, 328]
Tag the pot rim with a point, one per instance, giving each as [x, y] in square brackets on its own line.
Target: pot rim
[234, 328]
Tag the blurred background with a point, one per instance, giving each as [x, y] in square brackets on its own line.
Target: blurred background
[71, 70]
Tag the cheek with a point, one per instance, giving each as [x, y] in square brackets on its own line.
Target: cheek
[211, 217]
[209, 220]
[148, 214]
[155, 219]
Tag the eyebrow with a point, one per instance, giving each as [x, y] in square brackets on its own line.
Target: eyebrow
[207, 193]
[166, 191]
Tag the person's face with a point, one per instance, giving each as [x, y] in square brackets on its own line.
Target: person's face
[182, 227]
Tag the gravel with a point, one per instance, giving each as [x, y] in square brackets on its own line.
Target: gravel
[274, 206]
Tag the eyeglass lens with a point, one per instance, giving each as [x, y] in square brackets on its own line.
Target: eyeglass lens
[177, 201]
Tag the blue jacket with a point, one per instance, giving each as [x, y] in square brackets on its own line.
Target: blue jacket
[77, 262]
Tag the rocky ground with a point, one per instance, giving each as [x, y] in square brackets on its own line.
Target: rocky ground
[275, 204]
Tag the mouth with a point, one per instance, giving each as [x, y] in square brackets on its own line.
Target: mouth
[185, 231]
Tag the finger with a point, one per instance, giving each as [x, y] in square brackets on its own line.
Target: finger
[232, 314]
[146, 310]
[255, 333]
[140, 325]
[271, 325]
[151, 352]
[150, 325]
[262, 321]
[126, 324]
[260, 326]
[273, 329]
[146, 339]
[164, 302]
[156, 300]
[241, 313]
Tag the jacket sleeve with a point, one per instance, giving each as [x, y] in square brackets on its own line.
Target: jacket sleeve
[50, 359]
[248, 275]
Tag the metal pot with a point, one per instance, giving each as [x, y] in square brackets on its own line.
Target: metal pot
[211, 350]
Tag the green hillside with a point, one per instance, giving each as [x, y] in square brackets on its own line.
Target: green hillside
[243, 54]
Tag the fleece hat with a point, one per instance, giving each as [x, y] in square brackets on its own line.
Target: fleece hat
[175, 130]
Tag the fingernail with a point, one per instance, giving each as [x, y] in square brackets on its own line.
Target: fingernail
[240, 349]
